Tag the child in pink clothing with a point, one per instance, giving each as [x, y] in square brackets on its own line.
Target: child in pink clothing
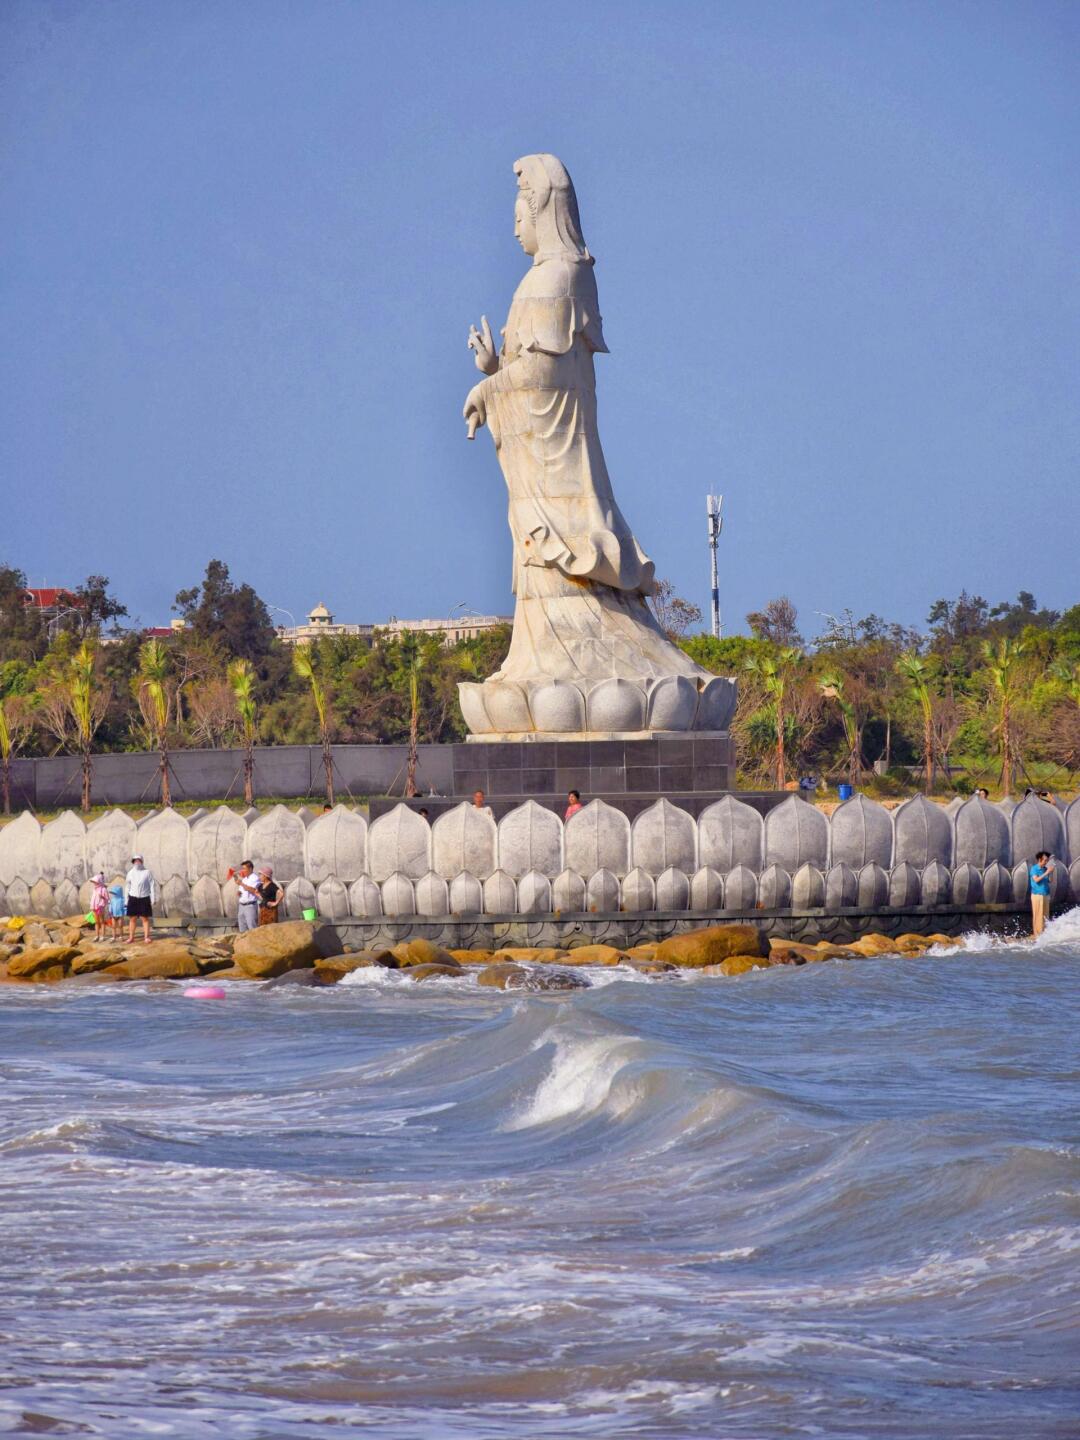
[99, 905]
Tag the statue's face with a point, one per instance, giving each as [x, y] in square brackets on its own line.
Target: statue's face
[524, 226]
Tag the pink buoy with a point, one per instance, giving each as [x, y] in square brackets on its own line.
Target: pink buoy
[204, 992]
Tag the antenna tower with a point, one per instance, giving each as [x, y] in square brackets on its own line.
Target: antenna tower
[713, 506]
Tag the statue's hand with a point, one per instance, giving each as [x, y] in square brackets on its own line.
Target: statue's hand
[475, 410]
[483, 345]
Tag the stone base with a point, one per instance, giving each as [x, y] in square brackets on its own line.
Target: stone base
[679, 765]
[561, 737]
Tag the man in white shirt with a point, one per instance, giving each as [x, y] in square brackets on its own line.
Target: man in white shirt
[247, 897]
[139, 896]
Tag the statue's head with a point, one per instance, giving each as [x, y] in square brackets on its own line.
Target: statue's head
[546, 220]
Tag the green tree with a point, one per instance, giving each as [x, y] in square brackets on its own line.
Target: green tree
[155, 692]
[16, 722]
[834, 687]
[22, 630]
[242, 681]
[304, 664]
[917, 671]
[231, 617]
[773, 673]
[73, 706]
[1006, 681]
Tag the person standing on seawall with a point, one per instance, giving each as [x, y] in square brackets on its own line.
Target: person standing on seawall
[270, 896]
[140, 893]
[247, 896]
[1039, 876]
[573, 804]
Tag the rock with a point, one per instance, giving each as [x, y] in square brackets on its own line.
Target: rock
[43, 962]
[235, 973]
[423, 952]
[593, 955]
[162, 961]
[472, 957]
[343, 964]
[912, 944]
[293, 978]
[545, 980]
[211, 964]
[89, 962]
[712, 945]
[874, 944]
[498, 975]
[433, 971]
[648, 967]
[792, 952]
[545, 955]
[273, 949]
[939, 939]
[95, 977]
[642, 952]
[740, 964]
[35, 935]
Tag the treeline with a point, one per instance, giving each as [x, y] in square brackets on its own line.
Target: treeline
[987, 695]
[81, 684]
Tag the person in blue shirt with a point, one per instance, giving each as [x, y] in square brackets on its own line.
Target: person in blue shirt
[1039, 877]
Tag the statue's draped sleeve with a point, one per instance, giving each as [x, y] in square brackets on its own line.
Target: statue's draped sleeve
[542, 415]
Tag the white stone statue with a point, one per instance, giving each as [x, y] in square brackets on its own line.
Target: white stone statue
[587, 655]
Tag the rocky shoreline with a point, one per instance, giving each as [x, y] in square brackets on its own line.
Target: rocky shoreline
[38, 951]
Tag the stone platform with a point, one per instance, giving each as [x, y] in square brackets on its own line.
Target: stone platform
[701, 764]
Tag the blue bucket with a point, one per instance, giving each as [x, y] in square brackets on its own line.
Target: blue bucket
[845, 791]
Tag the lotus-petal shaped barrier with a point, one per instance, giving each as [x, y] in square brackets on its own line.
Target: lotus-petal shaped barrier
[614, 705]
[728, 859]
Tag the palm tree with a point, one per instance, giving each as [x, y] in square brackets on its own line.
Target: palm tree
[1005, 684]
[304, 665]
[832, 687]
[15, 725]
[73, 707]
[415, 666]
[916, 671]
[155, 693]
[242, 680]
[774, 672]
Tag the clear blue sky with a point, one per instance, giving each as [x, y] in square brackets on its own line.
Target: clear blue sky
[836, 249]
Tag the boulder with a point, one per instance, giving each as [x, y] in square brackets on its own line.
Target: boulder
[272, 949]
[592, 955]
[434, 971]
[472, 957]
[791, 952]
[293, 978]
[233, 973]
[498, 976]
[424, 952]
[740, 964]
[89, 962]
[712, 945]
[545, 980]
[42, 962]
[647, 967]
[35, 935]
[912, 944]
[165, 960]
[543, 955]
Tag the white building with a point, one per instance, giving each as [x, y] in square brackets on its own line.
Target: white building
[453, 628]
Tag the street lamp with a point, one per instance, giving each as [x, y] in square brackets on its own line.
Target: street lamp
[280, 610]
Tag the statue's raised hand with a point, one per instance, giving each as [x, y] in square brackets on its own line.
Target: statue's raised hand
[482, 344]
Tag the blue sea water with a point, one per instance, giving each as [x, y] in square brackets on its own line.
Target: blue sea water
[840, 1200]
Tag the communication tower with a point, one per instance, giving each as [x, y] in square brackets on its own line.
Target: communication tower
[713, 506]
